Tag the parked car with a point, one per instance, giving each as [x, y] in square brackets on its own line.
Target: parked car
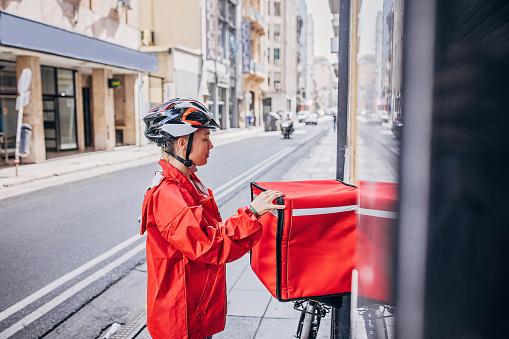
[384, 116]
[302, 115]
[272, 121]
[373, 118]
[312, 119]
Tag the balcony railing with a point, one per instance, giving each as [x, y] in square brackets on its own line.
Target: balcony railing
[257, 67]
[253, 13]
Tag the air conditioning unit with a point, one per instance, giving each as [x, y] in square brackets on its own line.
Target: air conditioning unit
[277, 86]
[277, 38]
[125, 3]
[277, 62]
[147, 37]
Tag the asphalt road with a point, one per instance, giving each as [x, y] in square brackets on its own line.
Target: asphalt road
[377, 152]
[64, 245]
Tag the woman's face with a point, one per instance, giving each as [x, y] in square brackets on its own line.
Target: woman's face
[202, 145]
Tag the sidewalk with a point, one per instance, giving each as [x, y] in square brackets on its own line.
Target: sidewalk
[81, 166]
[252, 312]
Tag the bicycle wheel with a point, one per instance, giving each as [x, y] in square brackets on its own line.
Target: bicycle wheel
[374, 321]
[307, 326]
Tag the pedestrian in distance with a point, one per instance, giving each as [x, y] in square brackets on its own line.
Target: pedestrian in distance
[334, 120]
[188, 244]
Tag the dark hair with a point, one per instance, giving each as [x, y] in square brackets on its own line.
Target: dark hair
[169, 146]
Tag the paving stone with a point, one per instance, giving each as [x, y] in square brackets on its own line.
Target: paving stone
[278, 309]
[249, 281]
[239, 328]
[248, 303]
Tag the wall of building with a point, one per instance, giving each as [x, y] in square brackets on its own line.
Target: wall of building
[105, 117]
[174, 22]
[97, 18]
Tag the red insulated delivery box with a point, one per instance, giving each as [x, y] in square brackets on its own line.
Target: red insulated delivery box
[307, 249]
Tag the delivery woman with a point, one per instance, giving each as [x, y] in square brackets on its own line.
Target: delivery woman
[188, 244]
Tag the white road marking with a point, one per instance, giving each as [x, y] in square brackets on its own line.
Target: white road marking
[69, 293]
[242, 178]
[62, 280]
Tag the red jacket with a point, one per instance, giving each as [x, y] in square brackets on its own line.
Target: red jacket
[187, 248]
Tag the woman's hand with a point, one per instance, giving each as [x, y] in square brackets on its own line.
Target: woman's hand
[263, 203]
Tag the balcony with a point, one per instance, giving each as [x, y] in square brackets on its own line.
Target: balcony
[258, 72]
[257, 20]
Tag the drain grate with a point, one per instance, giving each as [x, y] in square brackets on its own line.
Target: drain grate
[134, 326]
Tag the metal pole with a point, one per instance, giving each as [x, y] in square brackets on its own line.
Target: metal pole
[343, 73]
[341, 316]
[18, 133]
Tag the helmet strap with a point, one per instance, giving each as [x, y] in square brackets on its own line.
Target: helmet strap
[189, 146]
[186, 161]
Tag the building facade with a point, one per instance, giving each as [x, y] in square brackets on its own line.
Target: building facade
[323, 77]
[282, 53]
[221, 83]
[254, 69]
[86, 91]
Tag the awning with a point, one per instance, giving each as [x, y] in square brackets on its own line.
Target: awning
[27, 34]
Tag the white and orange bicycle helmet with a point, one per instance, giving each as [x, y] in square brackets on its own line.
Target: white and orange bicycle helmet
[176, 118]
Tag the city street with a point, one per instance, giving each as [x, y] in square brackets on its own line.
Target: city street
[378, 152]
[64, 245]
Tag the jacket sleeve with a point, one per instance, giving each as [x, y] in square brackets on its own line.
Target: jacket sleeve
[187, 229]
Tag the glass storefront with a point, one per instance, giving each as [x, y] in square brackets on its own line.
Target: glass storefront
[221, 95]
[8, 94]
[59, 109]
[378, 123]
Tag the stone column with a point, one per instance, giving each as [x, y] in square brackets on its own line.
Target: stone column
[32, 113]
[103, 110]
[131, 121]
[80, 123]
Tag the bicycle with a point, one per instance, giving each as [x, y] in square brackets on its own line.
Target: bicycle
[374, 319]
[310, 317]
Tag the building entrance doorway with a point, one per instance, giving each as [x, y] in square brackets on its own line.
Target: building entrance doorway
[59, 109]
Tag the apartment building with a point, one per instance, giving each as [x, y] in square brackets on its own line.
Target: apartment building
[323, 77]
[253, 61]
[86, 91]
[282, 53]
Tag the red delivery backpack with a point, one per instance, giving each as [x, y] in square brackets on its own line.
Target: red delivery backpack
[376, 240]
[307, 249]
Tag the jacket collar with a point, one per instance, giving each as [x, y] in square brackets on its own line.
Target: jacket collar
[173, 174]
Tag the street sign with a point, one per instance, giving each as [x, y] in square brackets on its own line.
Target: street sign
[24, 97]
[24, 81]
[22, 100]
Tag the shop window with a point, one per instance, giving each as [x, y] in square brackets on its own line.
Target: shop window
[8, 94]
[8, 78]
[221, 93]
[65, 79]
[48, 81]
[67, 123]
[59, 109]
